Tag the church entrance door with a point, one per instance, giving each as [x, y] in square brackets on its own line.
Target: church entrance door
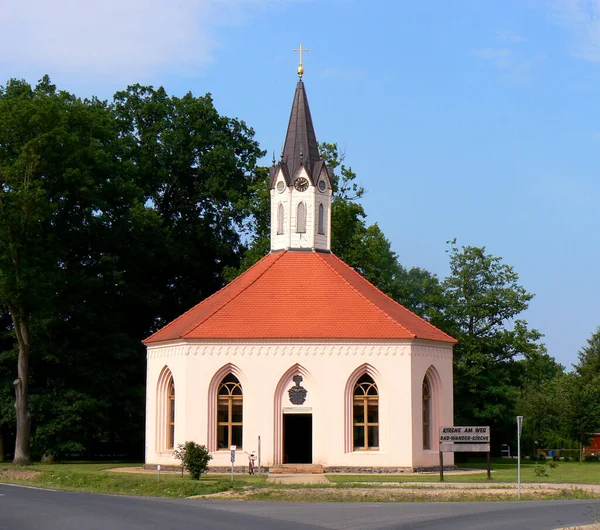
[297, 438]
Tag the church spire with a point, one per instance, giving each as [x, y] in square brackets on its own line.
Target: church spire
[300, 184]
[301, 145]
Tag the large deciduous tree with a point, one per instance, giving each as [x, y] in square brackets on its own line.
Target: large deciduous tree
[481, 303]
[52, 159]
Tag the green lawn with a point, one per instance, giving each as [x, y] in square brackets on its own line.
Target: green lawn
[94, 478]
[502, 471]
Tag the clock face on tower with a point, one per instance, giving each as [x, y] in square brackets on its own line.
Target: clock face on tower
[301, 184]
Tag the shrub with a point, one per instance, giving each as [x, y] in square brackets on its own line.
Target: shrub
[540, 471]
[194, 458]
[591, 458]
[553, 464]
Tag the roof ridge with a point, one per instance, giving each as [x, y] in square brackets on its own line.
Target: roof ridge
[414, 335]
[206, 300]
[212, 313]
[404, 308]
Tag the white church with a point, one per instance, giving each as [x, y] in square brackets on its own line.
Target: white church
[301, 351]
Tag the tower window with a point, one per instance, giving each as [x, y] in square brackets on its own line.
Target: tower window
[321, 225]
[280, 219]
[301, 218]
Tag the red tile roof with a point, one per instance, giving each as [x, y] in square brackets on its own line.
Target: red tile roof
[299, 295]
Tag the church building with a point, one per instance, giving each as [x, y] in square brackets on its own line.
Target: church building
[300, 350]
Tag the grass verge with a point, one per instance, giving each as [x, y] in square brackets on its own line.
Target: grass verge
[94, 478]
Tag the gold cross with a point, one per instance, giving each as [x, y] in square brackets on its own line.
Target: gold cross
[300, 67]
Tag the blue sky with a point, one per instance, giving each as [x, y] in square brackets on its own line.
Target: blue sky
[474, 119]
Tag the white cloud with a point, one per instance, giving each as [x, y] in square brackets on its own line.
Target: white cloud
[501, 57]
[582, 19]
[115, 39]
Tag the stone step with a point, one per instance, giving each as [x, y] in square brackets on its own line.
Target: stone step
[314, 469]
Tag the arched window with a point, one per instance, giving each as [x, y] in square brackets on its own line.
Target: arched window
[171, 414]
[229, 413]
[321, 219]
[280, 219]
[365, 414]
[426, 413]
[301, 218]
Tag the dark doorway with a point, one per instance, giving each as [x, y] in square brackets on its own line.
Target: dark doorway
[297, 438]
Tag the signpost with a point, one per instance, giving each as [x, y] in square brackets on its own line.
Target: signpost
[232, 448]
[465, 439]
[519, 429]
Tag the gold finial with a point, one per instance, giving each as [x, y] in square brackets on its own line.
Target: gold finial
[300, 67]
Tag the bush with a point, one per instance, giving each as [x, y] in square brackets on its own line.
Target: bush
[553, 464]
[591, 458]
[540, 471]
[194, 458]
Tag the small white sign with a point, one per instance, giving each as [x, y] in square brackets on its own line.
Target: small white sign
[232, 447]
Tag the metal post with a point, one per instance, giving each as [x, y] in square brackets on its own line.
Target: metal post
[259, 456]
[489, 464]
[232, 448]
[519, 429]
[441, 466]
[158, 469]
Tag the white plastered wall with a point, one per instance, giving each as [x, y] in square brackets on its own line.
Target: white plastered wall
[327, 366]
[436, 362]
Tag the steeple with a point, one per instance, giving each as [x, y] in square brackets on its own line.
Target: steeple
[301, 145]
[300, 184]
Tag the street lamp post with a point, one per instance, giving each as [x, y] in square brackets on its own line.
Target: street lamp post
[519, 429]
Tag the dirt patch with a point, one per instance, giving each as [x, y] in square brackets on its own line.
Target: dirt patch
[19, 474]
[394, 494]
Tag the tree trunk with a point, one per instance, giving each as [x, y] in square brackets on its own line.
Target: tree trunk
[22, 455]
[580, 452]
[1, 448]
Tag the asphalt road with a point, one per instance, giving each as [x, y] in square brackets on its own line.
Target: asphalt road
[28, 508]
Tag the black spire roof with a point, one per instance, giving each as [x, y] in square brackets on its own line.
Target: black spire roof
[301, 147]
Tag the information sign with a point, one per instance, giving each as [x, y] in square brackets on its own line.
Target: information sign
[464, 440]
[465, 434]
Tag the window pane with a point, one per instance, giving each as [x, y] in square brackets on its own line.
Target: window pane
[373, 412]
[172, 410]
[236, 412]
[222, 437]
[359, 437]
[171, 440]
[222, 411]
[373, 436]
[236, 434]
[426, 437]
[359, 412]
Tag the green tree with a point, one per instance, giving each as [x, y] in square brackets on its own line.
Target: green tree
[194, 458]
[588, 366]
[579, 400]
[482, 299]
[51, 156]
[197, 170]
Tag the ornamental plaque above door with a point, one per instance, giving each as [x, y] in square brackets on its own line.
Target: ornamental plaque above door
[297, 393]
